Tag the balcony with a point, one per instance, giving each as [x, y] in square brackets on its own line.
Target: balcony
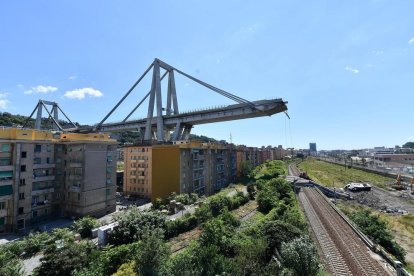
[43, 178]
[74, 189]
[44, 166]
[75, 165]
[3, 213]
[198, 177]
[39, 204]
[44, 190]
[6, 168]
[6, 181]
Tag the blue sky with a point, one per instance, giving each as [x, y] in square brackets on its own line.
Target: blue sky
[345, 67]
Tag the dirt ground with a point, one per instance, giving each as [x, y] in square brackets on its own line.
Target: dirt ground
[386, 201]
[396, 205]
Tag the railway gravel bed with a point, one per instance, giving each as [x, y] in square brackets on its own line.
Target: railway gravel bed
[344, 253]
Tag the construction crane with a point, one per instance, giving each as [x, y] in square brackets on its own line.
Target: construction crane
[398, 185]
[412, 182]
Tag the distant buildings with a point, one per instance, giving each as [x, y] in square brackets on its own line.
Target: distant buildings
[45, 174]
[189, 167]
[312, 148]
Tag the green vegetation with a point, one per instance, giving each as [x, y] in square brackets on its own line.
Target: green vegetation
[272, 242]
[300, 256]
[378, 230]
[328, 173]
[380, 227]
[409, 145]
[85, 225]
[9, 264]
[186, 199]
[10, 120]
[269, 170]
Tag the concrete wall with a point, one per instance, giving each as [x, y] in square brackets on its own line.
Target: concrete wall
[165, 171]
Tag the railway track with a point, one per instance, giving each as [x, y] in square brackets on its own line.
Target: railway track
[344, 253]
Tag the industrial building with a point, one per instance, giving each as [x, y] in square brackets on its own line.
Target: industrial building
[46, 174]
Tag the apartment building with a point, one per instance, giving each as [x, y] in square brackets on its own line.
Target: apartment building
[182, 167]
[45, 174]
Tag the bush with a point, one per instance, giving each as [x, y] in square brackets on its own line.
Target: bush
[301, 257]
[251, 190]
[10, 265]
[67, 259]
[152, 253]
[175, 227]
[85, 225]
[199, 260]
[269, 170]
[132, 224]
[112, 258]
[220, 232]
[127, 269]
[378, 230]
[276, 232]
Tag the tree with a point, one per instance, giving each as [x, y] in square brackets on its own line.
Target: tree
[199, 260]
[133, 223]
[10, 265]
[111, 259]
[409, 145]
[251, 190]
[378, 230]
[152, 253]
[276, 232]
[66, 259]
[300, 256]
[220, 232]
[85, 225]
[127, 269]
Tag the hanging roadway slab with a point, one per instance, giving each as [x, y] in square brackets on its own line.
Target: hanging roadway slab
[214, 115]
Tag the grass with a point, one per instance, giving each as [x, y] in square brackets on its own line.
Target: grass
[328, 174]
[402, 227]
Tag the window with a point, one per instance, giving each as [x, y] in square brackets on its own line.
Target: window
[48, 148]
[78, 171]
[6, 190]
[38, 148]
[5, 147]
[21, 196]
[34, 213]
[2, 205]
[37, 160]
[47, 160]
[23, 168]
[79, 197]
[20, 224]
[5, 162]
[21, 210]
[24, 154]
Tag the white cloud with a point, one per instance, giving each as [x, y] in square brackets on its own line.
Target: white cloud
[410, 139]
[20, 85]
[41, 89]
[411, 41]
[82, 92]
[73, 77]
[353, 70]
[4, 103]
